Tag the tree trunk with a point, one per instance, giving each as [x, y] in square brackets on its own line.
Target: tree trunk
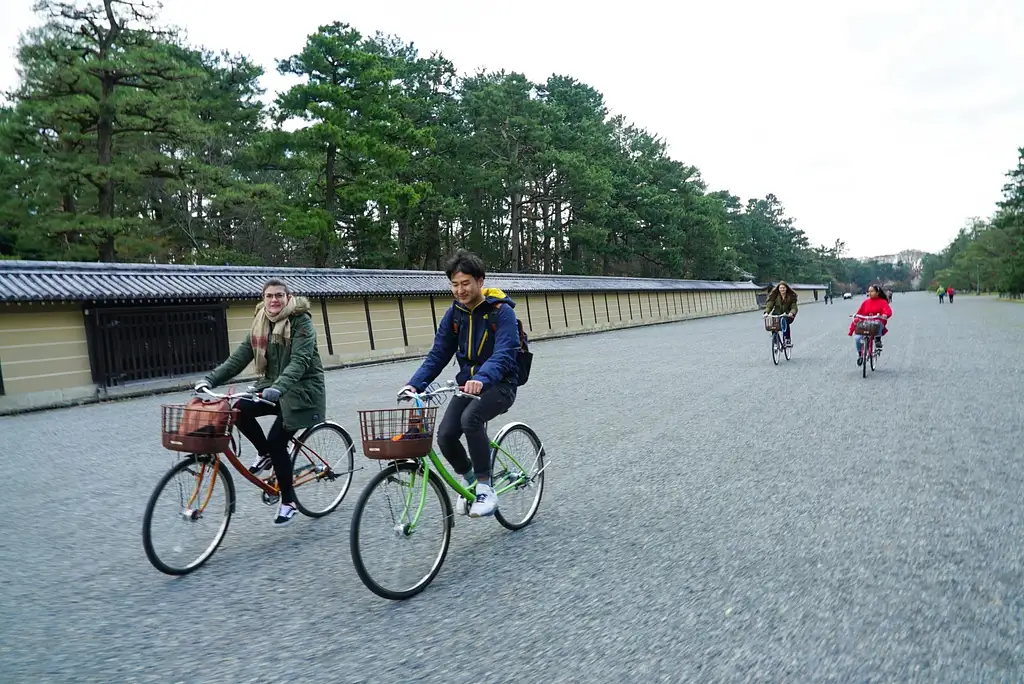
[516, 256]
[105, 154]
[432, 248]
[545, 214]
[330, 180]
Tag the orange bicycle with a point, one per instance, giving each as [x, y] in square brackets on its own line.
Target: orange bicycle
[196, 497]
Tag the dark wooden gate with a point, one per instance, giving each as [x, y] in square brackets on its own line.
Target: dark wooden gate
[131, 344]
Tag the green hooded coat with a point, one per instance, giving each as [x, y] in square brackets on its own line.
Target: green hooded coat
[294, 367]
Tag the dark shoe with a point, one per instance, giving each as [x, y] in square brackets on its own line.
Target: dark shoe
[878, 342]
[260, 464]
[860, 360]
[285, 515]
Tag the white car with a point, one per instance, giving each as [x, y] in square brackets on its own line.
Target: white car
[847, 295]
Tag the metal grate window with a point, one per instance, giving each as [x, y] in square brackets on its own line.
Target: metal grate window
[147, 343]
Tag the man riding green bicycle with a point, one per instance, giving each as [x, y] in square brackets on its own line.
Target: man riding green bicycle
[481, 330]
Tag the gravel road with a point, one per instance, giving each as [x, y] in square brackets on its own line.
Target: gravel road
[708, 516]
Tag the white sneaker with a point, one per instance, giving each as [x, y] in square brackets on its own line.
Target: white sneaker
[285, 515]
[486, 501]
[460, 501]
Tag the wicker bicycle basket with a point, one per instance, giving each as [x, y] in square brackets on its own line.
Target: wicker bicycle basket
[398, 433]
[868, 327]
[198, 427]
[771, 323]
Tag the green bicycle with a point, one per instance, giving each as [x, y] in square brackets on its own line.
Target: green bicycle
[407, 504]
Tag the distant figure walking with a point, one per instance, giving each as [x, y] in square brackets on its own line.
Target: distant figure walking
[942, 294]
[950, 292]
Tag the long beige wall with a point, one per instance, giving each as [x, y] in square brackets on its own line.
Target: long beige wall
[807, 296]
[44, 357]
[43, 351]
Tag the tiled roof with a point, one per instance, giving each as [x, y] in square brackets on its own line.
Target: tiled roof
[51, 281]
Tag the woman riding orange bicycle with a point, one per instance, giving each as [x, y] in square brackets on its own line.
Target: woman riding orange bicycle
[282, 343]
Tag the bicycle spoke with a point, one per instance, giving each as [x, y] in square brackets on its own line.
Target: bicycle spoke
[322, 463]
[401, 531]
[519, 489]
[187, 516]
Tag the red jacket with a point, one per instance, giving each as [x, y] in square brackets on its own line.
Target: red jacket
[873, 307]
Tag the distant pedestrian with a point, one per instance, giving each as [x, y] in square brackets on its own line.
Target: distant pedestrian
[942, 294]
[950, 292]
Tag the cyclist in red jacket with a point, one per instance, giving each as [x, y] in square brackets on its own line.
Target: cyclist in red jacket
[877, 304]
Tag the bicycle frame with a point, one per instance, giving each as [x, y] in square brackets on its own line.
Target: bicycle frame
[434, 459]
[783, 323]
[232, 458]
[872, 317]
[868, 351]
[780, 334]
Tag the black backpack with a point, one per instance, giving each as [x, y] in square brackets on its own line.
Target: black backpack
[524, 357]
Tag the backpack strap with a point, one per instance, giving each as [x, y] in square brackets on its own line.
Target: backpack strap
[519, 324]
[494, 326]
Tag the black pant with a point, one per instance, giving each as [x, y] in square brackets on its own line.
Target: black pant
[467, 417]
[275, 443]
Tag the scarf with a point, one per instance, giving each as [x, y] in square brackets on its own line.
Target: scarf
[279, 328]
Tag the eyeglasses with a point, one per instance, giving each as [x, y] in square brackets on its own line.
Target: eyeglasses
[275, 295]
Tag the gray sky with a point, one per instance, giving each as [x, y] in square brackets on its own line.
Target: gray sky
[886, 123]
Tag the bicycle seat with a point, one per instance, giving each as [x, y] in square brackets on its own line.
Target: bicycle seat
[486, 423]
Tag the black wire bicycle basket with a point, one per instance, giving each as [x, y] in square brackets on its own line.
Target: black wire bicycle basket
[868, 327]
[399, 433]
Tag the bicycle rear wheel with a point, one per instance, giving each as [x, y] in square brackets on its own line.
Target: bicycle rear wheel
[517, 463]
[186, 497]
[400, 513]
[322, 466]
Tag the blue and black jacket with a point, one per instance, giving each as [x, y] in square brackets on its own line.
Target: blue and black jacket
[485, 341]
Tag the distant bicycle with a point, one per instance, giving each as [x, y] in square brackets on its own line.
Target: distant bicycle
[777, 326]
[869, 327]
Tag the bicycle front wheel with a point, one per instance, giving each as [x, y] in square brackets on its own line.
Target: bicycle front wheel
[776, 348]
[401, 530]
[188, 515]
[322, 465]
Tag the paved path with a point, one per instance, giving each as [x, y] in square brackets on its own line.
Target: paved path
[708, 517]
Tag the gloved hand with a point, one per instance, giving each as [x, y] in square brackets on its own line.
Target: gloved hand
[201, 385]
[271, 394]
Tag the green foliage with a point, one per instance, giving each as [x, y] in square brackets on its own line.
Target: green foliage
[987, 255]
[125, 143]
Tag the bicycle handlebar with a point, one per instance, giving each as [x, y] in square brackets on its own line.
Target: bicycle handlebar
[250, 393]
[450, 388]
[881, 317]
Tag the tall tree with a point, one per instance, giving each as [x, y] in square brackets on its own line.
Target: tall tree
[104, 90]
